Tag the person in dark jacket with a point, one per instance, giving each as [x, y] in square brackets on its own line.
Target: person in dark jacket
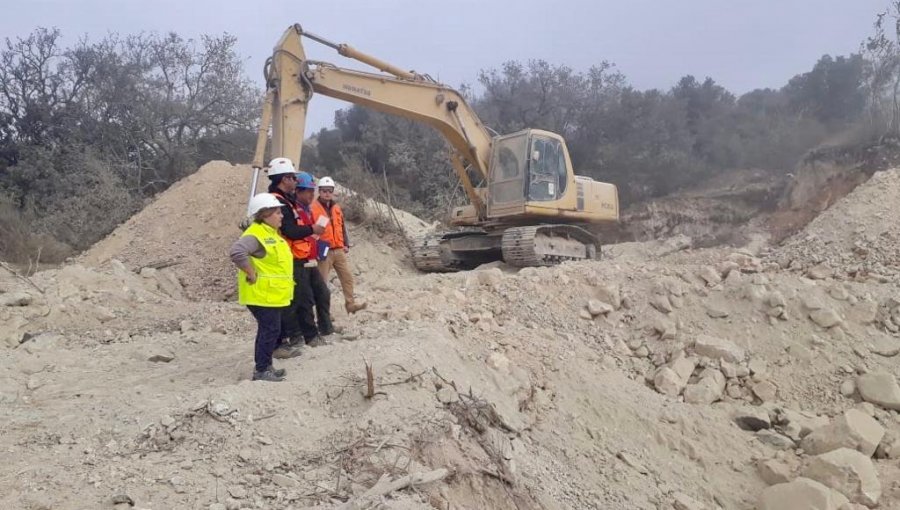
[308, 318]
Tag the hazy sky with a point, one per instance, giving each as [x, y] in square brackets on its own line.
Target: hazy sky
[742, 44]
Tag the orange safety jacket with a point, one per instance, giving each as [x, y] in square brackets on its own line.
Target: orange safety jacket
[302, 249]
[335, 233]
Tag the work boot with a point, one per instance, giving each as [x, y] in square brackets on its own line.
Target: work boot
[267, 375]
[317, 342]
[354, 307]
[280, 372]
[325, 331]
[286, 351]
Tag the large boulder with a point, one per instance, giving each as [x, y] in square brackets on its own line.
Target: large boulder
[853, 429]
[879, 388]
[849, 472]
[717, 348]
[801, 494]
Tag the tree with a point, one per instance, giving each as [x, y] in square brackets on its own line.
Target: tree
[121, 117]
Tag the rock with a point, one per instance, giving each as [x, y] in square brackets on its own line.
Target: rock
[819, 272]
[774, 439]
[217, 506]
[498, 362]
[169, 284]
[661, 303]
[879, 388]
[726, 268]
[584, 314]
[668, 382]
[682, 501]
[752, 419]
[284, 481]
[717, 348]
[853, 429]
[16, 299]
[709, 275]
[867, 408]
[734, 279]
[596, 307]
[757, 367]
[488, 277]
[839, 292]
[773, 471]
[186, 326]
[122, 499]
[886, 347]
[805, 421]
[716, 311]
[775, 299]
[825, 317]
[765, 391]
[447, 395]
[609, 293]
[237, 492]
[801, 494]
[103, 314]
[666, 328]
[148, 272]
[848, 388]
[684, 367]
[889, 448]
[864, 312]
[161, 357]
[708, 390]
[849, 472]
[729, 369]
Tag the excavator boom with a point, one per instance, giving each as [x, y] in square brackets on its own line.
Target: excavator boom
[292, 80]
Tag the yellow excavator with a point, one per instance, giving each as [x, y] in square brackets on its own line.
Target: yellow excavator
[527, 206]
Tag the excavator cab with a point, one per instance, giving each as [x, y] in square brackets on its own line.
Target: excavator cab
[529, 166]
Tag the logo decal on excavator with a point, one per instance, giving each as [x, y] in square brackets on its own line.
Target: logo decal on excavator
[357, 90]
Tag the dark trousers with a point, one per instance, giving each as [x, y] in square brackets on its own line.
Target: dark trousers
[310, 310]
[268, 329]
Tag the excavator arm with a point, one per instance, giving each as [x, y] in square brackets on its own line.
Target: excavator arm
[292, 79]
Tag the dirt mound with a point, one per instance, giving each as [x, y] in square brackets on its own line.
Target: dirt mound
[659, 377]
[190, 227]
[857, 237]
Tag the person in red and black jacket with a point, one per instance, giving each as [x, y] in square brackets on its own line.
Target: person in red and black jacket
[308, 318]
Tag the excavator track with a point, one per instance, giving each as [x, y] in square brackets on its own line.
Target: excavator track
[547, 245]
[426, 254]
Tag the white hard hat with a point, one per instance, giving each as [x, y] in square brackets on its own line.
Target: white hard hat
[280, 166]
[262, 201]
[328, 182]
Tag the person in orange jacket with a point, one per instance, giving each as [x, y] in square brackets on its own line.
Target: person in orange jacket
[336, 236]
[308, 318]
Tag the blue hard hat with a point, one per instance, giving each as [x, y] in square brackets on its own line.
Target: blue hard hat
[305, 181]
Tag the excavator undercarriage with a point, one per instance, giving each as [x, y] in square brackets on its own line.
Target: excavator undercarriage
[523, 246]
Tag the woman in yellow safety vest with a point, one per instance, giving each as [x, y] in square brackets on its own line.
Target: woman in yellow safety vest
[265, 279]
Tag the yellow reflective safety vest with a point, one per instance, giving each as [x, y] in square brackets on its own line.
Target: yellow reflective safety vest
[274, 285]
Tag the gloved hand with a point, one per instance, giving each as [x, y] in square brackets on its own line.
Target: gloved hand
[245, 223]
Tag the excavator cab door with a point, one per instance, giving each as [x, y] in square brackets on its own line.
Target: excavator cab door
[546, 169]
[508, 171]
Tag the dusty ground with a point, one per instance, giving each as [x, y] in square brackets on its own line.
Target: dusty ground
[537, 388]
